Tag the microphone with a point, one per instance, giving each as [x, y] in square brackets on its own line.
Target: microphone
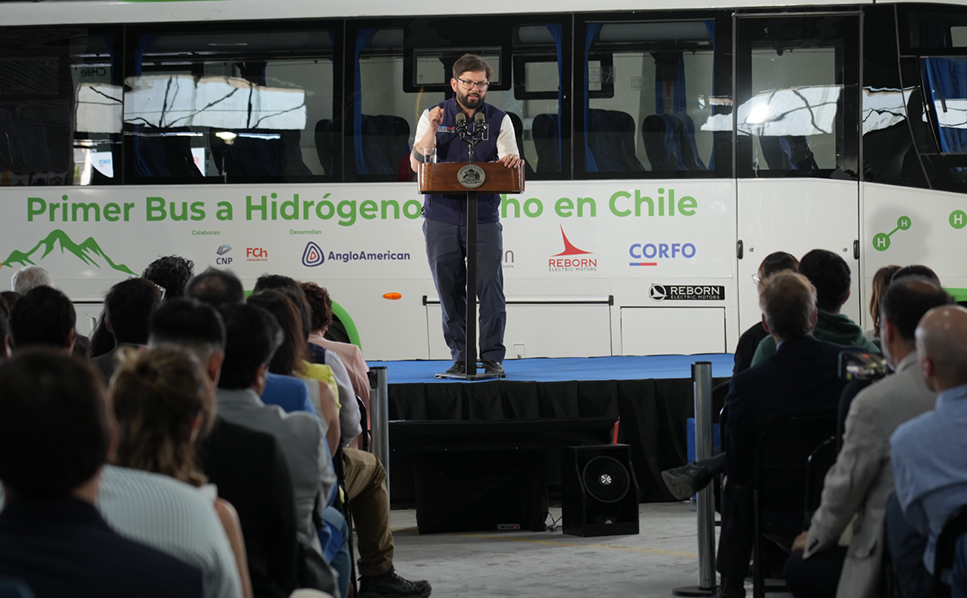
[479, 126]
[461, 125]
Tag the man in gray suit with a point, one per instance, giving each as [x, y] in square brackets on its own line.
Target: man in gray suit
[861, 481]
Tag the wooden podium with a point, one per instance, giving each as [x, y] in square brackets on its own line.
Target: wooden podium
[470, 178]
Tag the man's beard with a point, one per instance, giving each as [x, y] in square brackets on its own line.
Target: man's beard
[472, 104]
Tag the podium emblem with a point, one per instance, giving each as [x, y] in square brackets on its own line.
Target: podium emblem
[471, 176]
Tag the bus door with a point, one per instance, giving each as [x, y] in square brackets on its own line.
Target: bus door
[797, 82]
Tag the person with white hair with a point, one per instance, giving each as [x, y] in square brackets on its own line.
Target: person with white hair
[29, 278]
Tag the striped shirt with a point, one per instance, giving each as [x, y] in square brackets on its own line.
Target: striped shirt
[172, 517]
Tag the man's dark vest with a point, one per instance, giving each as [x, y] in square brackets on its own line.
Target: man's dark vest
[452, 209]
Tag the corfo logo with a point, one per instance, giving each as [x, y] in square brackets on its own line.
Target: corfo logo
[221, 260]
[656, 251]
[313, 255]
[566, 260]
[684, 292]
[256, 254]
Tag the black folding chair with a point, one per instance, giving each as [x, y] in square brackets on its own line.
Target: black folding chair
[782, 450]
[818, 464]
[953, 529]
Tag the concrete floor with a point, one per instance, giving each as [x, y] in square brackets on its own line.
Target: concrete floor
[663, 556]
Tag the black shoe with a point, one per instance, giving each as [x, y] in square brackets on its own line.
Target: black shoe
[683, 482]
[493, 368]
[731, 589]
[391, 585]
[458, 367]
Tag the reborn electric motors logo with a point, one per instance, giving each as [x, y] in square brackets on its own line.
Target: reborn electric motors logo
[313, 255]
[566, 262]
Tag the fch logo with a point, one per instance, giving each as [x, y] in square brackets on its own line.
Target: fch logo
[221, 260]
[256, 254]
[313, 255]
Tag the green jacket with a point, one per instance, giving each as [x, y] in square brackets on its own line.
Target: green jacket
[832, 328]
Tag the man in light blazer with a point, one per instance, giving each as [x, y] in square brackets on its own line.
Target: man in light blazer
[861, 481]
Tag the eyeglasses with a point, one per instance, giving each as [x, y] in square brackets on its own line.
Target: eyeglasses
[756, 279]
[468, 85]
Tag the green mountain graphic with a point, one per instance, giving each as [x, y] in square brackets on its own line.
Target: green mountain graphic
[88, 252]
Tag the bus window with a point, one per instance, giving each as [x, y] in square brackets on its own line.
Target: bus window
[232, 106]
[650, 103]
[60, 109]
[795, 111]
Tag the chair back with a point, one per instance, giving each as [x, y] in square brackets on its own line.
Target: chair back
[820, 461]
[953, 529]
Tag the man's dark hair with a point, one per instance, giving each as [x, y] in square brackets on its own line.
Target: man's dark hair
[251, 339]
[293, 289]
[471, 63]
[830, 276]
[4, 334]
[171, 273]
[788, 301]
[916, 270]
[188, 323]
[777, 262]
[907, 299]
[54, 424]
[216, 288]
[128, 308]
[44, 316]
[10, 298]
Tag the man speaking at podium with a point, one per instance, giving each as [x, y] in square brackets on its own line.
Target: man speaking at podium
[441, 130]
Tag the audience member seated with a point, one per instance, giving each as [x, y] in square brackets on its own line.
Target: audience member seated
[928, 453]
[216, 288]
[320, 305]
[365, 479]
[54, 419]
[127, 310]
[9, 298]
[163, 402]
[830, 276]
[750, 339]
[881, 280]
[171, 273]
[29, 278]
[289, 360]
[325, 365]
[800, 379]
[43, 316]
[861, 481]
[247, 466]
[251, 339]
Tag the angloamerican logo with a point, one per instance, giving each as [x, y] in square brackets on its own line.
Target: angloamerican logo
[313, 255]
[568, 260]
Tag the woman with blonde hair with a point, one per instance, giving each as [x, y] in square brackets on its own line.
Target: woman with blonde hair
[164, 403]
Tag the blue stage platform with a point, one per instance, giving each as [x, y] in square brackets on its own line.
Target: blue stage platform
[651, 396]
[655, 367]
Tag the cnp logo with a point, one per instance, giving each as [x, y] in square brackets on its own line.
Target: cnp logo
[256, 254]
[221, 260]
[313, 255]
[656, 251]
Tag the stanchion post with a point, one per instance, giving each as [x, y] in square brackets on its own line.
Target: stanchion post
[705, 501]
[379, 419]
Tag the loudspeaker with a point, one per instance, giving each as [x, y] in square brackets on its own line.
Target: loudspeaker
[599, 493]
[459, 491]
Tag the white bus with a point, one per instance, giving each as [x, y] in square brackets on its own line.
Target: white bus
[668, 151]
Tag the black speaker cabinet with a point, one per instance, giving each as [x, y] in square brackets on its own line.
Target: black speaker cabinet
[459, 491]
[599, 493]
